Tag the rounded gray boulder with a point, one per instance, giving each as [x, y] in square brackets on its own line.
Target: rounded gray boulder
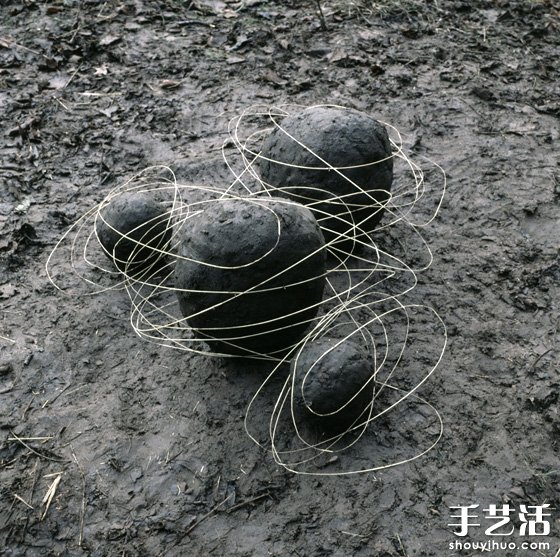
[250, 274]
[297, 158]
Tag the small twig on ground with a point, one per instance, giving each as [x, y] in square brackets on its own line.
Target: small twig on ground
[19, 498]
[321, 15]
[7, 339]
[72, 77]
[30, 497]
[353, 534]
[248, 502]
[169, 459]
[53, 474]
[29, 438]
[102, 9]
[204, 517]
[27, 408]
[41, 455]
[76, 390]
[62, 104]
[404, 551]
[7, 43]
[549, 473]
[32, 490]
[56, 396]
[540, 358]
[83, 506]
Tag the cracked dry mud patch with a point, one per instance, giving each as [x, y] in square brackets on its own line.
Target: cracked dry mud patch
[149, 444]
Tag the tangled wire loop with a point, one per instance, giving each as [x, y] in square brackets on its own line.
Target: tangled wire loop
[365, 287]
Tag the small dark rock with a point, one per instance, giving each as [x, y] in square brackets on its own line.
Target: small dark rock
[328, 374]
[146, 225]
[483, 93]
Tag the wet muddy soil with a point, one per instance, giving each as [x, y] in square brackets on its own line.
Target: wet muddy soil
[142, 447]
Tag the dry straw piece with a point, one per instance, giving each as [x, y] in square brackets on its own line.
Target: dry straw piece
[364, 301]
[51, 492]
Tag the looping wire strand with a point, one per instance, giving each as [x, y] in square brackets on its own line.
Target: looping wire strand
[364, 299]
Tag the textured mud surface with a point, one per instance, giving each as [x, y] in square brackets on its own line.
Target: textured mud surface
[149, 443]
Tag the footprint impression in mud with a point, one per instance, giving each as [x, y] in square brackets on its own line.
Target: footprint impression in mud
[285, 262]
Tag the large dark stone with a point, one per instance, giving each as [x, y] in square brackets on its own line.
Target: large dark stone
[263, 238]
[336, 373]
[145, 222]
[342, 138]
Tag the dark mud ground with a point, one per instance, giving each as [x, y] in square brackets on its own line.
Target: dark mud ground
[150, 441]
